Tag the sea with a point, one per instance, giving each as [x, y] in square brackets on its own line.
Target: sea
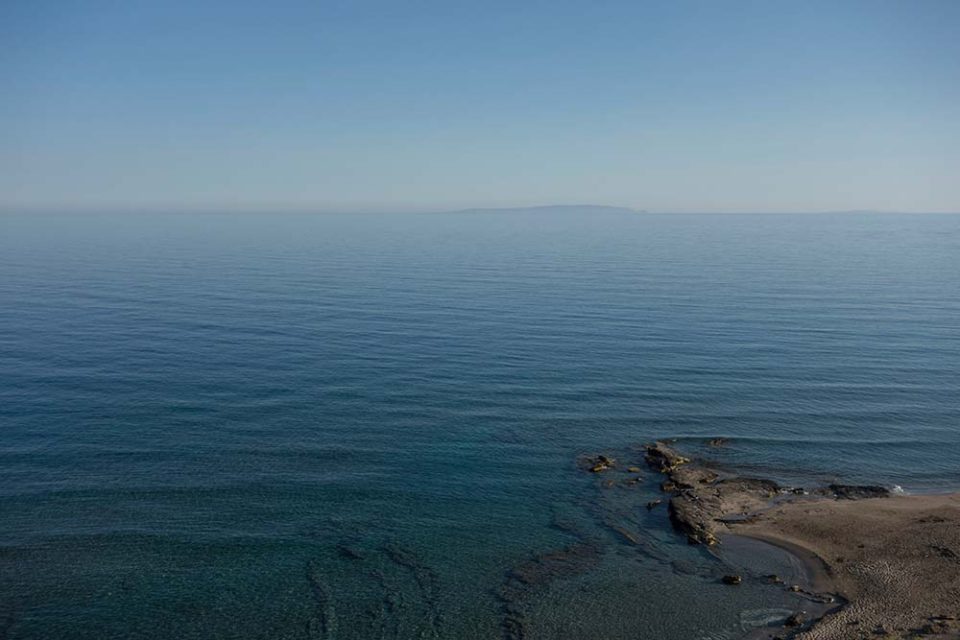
[376, 426]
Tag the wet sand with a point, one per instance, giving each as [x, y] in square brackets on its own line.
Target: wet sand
[891, 563]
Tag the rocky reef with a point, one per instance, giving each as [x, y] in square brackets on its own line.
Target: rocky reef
[701, 498]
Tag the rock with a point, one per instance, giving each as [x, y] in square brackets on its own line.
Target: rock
[653, 503]
[688, 515]
[795, 588]
[600, 463]
[705, 477]
[702, 500]
[662, 458]
[855, 492]
[718, 442]
[738, 518]
[795, 620]
[767, 488]
[732, 579]
[634, 469]
[775, 579]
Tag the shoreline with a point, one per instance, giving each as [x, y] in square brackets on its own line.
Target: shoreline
[806, 571]
[818, 575]
[888, 565]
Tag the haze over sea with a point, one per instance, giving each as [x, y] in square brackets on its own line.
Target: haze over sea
[366, 426]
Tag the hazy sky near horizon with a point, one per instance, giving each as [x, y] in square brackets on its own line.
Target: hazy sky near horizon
[675, 106]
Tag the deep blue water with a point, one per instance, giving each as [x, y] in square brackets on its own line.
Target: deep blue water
[366, 426]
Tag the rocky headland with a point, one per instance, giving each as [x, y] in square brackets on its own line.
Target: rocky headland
[890, 562]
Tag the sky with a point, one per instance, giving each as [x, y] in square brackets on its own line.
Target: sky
[672, 105]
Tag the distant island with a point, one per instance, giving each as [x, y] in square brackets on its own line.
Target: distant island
[558, 208]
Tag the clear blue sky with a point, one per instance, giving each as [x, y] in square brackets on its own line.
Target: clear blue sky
[667, 105]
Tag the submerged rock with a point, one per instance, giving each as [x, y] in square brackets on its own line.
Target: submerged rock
[346, 551]
[522, 583]
[732, 579]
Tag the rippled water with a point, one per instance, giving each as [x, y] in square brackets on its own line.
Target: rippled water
[367, 426]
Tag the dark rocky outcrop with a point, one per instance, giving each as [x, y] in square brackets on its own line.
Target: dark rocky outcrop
[705, 500]
[664, 459]
[701, 497]
[854, 492]
[597, 463]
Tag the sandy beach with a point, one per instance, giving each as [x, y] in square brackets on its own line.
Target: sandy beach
[891, 561]
[896, 561]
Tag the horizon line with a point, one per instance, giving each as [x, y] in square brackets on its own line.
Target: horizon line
[266, 209]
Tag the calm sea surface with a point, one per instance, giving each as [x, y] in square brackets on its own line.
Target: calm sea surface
[367, 426]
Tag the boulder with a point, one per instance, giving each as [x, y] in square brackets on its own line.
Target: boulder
[795, 620]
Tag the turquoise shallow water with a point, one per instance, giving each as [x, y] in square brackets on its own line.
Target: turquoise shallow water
[367, 426]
